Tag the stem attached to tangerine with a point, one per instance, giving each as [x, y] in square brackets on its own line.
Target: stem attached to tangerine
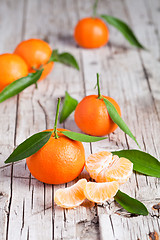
[39, 68]
[56, 119]
[95, 8]
[99, 91]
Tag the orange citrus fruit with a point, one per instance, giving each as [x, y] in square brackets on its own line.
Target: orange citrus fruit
[92, 117]
[12, 68]
[36, 53]
[100, 192]
[59, 161]
[91, 33]
[71, 197]
[105, 167]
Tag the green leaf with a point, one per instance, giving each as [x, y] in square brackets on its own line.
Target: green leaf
[118, 120]
[29, 146]
[19, 85]
[142, 162]
[54, 56]
[130, 204]
[65, 58]
[81, 137]
[124, 29]
[69, 106]
[68, 59]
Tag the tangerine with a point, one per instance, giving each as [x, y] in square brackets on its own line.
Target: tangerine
[36, 53]
[12, 68]
[92, 117]
[59, 161]
[91, 33]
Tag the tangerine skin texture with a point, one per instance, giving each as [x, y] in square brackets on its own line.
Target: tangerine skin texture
[12, 68]
[91, 33]
[58, 161]
[92, 117]
[35, 53]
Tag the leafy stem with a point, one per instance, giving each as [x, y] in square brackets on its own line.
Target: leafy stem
[114, 115]
[99, 90]
[19, 85]
[56, 119]
[95, 8]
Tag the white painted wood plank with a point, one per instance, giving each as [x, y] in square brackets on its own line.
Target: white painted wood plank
[8, 36]
[147, 61]
[33, 218]
[38, 112]
[150, 37]
[74, 220]
[126, 76]
[139, 99]
[112, 227]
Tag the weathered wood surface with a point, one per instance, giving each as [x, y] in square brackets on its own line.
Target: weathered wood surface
[132, 77]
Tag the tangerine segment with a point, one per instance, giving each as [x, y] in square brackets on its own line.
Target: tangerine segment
[105, 167]
[71, 197]
[36, 53]
[100, 192]
[119, 170]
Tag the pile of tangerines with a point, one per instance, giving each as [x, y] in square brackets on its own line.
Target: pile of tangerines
[62, 159]
[28, 56]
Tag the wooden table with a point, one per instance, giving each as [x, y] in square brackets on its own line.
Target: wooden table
[132, 77]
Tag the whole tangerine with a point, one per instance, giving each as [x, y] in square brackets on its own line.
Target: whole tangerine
[12, 68]
[59, 161]
[36, 53]
[91, 33]
[92, 117]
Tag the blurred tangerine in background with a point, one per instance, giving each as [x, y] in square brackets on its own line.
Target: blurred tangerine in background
[12, 68]
[36, 53]
[91, 33]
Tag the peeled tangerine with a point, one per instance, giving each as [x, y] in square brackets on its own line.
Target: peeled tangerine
[105, 167]
[73, 196]
[108, 170]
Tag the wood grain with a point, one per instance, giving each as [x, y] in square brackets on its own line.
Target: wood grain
[130, 76]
